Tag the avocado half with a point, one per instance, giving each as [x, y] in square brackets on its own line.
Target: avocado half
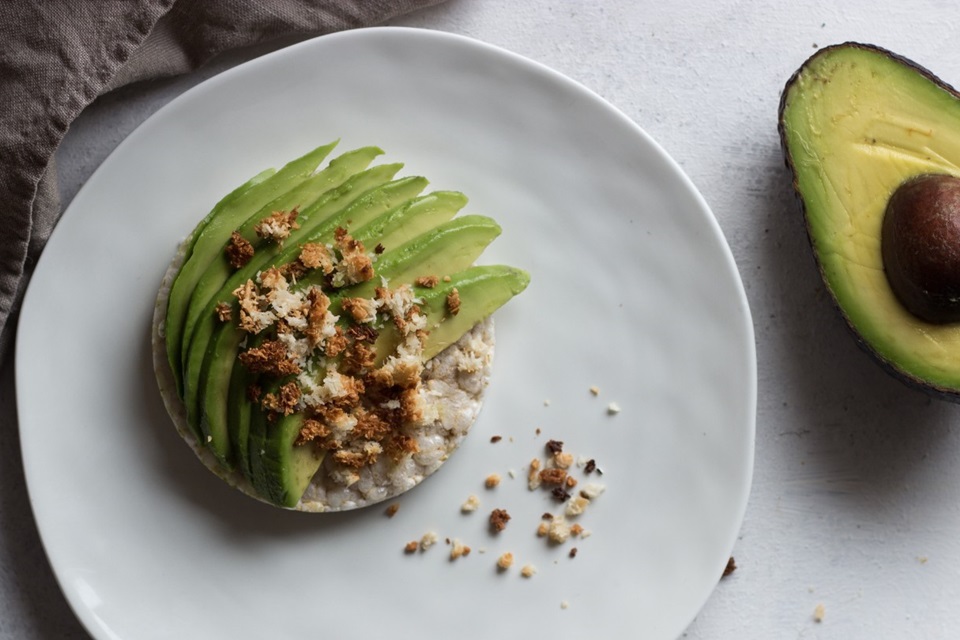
[856, 121]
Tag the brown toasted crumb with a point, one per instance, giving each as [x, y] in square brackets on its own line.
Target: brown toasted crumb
[277, 225]
[730, 568]
[533, 478]
[401, 445]
[573, 552]
[470, 505]
[576, 529]
[498, 520]
[239, 251]
[312, 429]
[553, 476]
[453, 302]
[542, 529]
[547, 516]
[459, 549]
[269, 358]
[357, 459]
[819, 612]
[591, 466]
[571, 482]
[358, 357]
[392, 510]
[379, 249]
[411, 546]
[335, 344]
[428, 540]
[355, 263]
[370, 426]
[528, 571]
[492, 481]
[317, 305]
[538, 431]
[411, 406]
[554, 446]
[314, 255]
[446, 278]
[563, 460]
[595, 390]
[360, 309]
[363, 333]
[253, 393]
[560, 494]
[496, 439]
[224, 311]
[249, 299]
[505, 561]
[427, 281]
[284, 401]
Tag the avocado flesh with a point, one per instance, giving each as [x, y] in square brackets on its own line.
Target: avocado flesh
[303, 195]
[282, 471]
[210, 236]
[451, 246]
[362, 197]
[227, 337]
[856, 122]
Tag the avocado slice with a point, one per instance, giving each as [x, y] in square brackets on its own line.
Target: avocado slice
[281, 471]
[303, 195]
[210, 236]
[451, 246]
[856, 123]
[210, 340]
[362, 197]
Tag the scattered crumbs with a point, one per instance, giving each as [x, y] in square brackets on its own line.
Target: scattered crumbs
[590, 466]
[482, 550]
[573, 552]
[576, 530]
[552, 475]
[595, 390]
[512, 473]
[922, 559]
[730, 568]
[496, 439]
[563, 460]
[492, 481]
[576, 506]
[411, 546]
[511, 438]
[458, 549]
[564, 604]
[528, 571]
[586, 533]
[560, 494]
[547, 516]
[533, 478]
[613, 408]
[818, 613]
[498, 520]
[546, 403]
[554, 446]
[448, 540]
[538, 431]
[428, 540]
[543, 529]
[392, 510]
[471, 504]
[446, 278]
[558, 530]
[592, 490]
[505, 561]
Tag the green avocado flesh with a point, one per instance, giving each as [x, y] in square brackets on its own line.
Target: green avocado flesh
[856, 122]
[408, 236]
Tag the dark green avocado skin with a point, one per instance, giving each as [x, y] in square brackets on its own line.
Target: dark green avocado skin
[910, 378]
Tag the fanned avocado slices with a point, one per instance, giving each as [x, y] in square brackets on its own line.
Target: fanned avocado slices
[872, 138]
[345, 271]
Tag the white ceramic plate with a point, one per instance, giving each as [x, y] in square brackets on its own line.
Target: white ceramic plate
[633, 290]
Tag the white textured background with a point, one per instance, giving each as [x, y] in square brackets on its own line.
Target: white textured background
[856, 498]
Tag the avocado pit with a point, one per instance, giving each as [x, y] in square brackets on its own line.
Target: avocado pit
[920, 246]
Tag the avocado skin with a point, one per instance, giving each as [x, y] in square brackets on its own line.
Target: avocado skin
[893, 368]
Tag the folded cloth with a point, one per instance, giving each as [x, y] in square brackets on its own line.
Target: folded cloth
[57, 56]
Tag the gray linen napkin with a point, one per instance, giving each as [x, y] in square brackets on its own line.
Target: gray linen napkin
[57, 56]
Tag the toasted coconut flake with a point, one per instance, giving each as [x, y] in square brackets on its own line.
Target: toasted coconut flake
[277, 225]
[314, 255]
[239, 251]
[453, 302]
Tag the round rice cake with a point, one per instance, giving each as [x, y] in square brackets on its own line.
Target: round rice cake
[453, 386]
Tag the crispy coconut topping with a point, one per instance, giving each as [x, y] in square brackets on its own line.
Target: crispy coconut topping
[314, 255]
[239, 251]
[354, 265]
[277, 225]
